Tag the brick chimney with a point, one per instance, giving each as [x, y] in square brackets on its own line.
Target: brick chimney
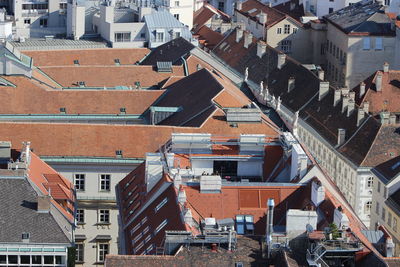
[44, 204]
[239, 34]
[321, 75]
[323, 90]
[336, 98]
[366, 107]
[341, 136]
[378, 81]
[281, 60]
[386, 67]
[360, 116]
[291, 84]
[248, 38]
[362, 89]
[261, 48]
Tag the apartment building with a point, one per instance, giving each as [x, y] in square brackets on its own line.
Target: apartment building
[321, 8]
[276, 28]
[360, 38]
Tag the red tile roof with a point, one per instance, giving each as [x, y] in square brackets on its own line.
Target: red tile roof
[205, 13]
[207, 37]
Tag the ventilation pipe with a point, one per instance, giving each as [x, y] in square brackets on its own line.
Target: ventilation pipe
[270, 225]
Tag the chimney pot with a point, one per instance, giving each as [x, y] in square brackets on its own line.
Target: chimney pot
[261, 48]
[281, 60]
[321, 75]
[248, 38]
[341, 136]
[44, 203]
[239, 34]
[291, 84]
[378, 81]
[323, 90]
[362, 89]
[337, 96]
[386, 67]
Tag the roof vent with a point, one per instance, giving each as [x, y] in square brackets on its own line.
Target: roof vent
[164, 66]
[118, 153]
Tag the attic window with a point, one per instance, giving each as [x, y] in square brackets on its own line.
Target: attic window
[63, 110]
[116, 61]
[81, 83]
[122, 110]
[25, 235]
[164, 66]
[76, 62]
[118, 153]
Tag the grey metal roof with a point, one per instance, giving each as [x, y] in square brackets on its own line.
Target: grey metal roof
[18, 204]
[162, 19]
[374, 237]
[51, 44]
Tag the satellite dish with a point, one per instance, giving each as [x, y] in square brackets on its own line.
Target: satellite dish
[309, 228]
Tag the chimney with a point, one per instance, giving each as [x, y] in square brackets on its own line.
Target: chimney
[239, 34]
[350, 107]
[269, 4]
[263, 18]
[378, 81]
[323, 90]
[281, 60]
[248, 38]
[345, 100]
[366, 107]
[291, 84]
[385, 117]
[292, 6]
[362, 89]
[321, 75]
[352, 95]
[386, 67]
[44, 203]
[392, 119]
[238, 5]
[360, 116]
[181, 195]
[341, 136]
[188, 218]
[177, 180]
[336, 98]
[270, 225]
[261, 48]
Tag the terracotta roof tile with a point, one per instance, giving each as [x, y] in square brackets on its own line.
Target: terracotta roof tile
[208, 37]
[87, 56]
[205, 13]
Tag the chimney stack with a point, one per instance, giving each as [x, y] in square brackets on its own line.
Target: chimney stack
[261, 48]
[270, 225]
[345, 100]
[281, 60]
[248, 38]
[392, 119]
[386, 67]
[350, 107]
[360, 116]
[44, 204]
[323, 90]
[269, 4]
[321, 75]
[239, 34]
[336, 98]
[239, 5]
[263, 18]
[362, 89]
[366, 107]
[378, 81]
[352, 95]
[385, 117]
[341, 136]
[291, 84]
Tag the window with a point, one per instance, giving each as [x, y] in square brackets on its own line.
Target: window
[63, 5]
[79, 252]
[221, 6]
[122, 37]
[389, 219]
[161, 226]
[105, 180]
[161, 204]
[378, 43]
[383, 214]
[286, 46]
[387, 2]
[176, 16]
[370, 182]
[176, 3]
[80, 216]
[104, 216]
[160, 36]
[244, 224]
[286, 29]
[394, 224]
[175, 34]
[102, 252]
[368, 206]
[79, 182]
[27, 21]
[279, 30]
[294, 30]
[43, 22]
[34, 6]
[330, 10]
[366, 43]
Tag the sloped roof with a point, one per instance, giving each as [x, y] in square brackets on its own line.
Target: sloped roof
[205, 13]
[208, 37]
[19, 214]
[365, 17]
[171, 51]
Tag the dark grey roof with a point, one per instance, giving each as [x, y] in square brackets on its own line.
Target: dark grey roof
[193, 94]
[18, 214]
[374, 237]
[362, 17]
[171, 51]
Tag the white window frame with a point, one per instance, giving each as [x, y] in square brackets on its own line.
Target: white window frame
[102, 251]
[279, 30]
[80, 215]
[105, 182]
[104, 216]
[80, 252]
[81, 177]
